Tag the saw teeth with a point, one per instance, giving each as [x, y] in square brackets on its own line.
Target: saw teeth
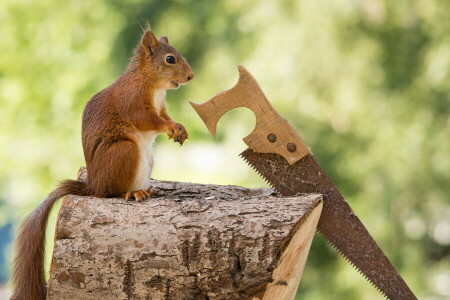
[353, 266]
[272, 186]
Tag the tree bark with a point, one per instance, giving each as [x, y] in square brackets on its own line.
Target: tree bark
[190, 241]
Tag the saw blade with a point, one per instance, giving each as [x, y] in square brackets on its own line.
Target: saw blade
[338, 223]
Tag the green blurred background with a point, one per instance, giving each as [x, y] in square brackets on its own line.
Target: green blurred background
[366, 83]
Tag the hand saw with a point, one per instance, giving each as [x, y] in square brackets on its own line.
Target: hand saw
[281, 157]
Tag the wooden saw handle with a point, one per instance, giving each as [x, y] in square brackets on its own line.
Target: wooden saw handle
[272, 133]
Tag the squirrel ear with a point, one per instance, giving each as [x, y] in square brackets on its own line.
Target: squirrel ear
[164, 40]
[149, 40]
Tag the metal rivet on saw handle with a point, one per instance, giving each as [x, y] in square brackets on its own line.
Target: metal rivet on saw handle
[291, 147]
[272, 138]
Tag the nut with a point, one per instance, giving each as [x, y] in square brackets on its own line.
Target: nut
[291, 147]
[272, 138]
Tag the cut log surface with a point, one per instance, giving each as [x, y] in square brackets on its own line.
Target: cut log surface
[190, 241]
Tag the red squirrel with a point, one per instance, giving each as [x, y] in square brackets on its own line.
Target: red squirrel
[119, 126]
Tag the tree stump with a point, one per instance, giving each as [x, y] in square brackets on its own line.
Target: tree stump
[190, 241]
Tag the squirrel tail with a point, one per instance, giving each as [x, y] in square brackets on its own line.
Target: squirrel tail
[28, 266]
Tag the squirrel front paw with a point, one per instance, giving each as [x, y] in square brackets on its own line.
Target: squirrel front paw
[177, 132]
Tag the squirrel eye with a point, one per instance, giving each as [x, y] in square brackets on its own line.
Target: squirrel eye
[170, 59]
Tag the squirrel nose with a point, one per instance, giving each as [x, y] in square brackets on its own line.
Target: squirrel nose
[190, 76]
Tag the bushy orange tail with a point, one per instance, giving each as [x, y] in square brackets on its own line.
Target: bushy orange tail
[28, 266]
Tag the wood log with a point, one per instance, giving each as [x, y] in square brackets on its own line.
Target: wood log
[190, 241]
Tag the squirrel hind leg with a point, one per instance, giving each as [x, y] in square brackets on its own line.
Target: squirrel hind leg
[138, 195]
[114, 168]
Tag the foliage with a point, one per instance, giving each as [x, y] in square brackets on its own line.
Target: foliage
[366, 83]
